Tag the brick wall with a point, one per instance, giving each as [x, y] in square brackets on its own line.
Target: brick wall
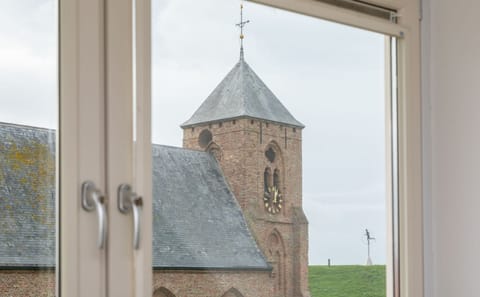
[27, 283]
[243, 143]
[187, 283]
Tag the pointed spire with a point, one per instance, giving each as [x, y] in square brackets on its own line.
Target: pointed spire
[241, 25]
[242, 94]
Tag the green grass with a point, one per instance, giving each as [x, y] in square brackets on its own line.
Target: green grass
[347, 281]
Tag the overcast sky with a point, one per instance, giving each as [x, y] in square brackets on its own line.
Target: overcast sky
[328, 75]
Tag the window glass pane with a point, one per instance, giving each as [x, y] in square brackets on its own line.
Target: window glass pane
[28, 121]
[269, 153]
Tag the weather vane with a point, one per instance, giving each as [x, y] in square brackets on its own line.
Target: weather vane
[241, 25]
[369, 238]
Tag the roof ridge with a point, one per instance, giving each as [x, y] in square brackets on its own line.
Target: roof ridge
[243, 95]
[178, 148]
[25, 126]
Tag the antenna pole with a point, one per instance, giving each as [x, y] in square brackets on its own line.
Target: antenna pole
[241, 25]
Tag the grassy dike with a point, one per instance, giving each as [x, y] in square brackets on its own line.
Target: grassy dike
[347, 281]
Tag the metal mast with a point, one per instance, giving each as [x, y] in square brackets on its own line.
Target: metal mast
[241, 25]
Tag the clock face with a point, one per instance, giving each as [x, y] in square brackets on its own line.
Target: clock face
[272, 200]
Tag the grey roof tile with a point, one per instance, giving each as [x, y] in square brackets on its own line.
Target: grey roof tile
[242, 94]
[197, 221]
[27, 203]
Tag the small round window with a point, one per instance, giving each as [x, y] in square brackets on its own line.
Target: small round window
[205, 138]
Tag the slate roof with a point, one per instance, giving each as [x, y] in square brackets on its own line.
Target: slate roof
[242, 94]
[27, 203]
[198, 223]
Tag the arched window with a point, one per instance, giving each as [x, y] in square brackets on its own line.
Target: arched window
[267, 177]
[163, 292]
[275, 255]
[276, 179]
[232, 293]
[273, 180]
[204, 138]
[279, 282]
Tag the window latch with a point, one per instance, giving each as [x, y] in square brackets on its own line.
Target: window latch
[93, 199]
[130, 201]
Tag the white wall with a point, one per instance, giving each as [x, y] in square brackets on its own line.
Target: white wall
[451, 102]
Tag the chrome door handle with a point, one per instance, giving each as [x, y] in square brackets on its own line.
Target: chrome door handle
[129, 200]
[92, 199]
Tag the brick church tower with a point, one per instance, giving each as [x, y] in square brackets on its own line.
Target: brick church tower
[258, 144]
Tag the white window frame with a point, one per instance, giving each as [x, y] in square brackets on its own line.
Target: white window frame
[91, 30]
[81, 266]
[96, 143]
[407, 30]
[96, 116]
